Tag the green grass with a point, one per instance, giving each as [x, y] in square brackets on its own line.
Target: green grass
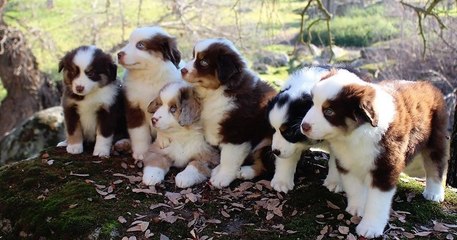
[3, 92]
[359, 28]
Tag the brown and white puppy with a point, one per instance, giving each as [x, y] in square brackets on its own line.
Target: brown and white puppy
[234, 102]
[180, 141]
[374, 130]
[92, 100]
[151, 60]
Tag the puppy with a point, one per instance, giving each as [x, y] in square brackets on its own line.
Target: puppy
[180, 141]
[92, 100]
[150, 59]
[374, 130]
[234, 102]
[285, 113]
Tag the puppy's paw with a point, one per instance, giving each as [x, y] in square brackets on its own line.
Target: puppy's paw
[282, 183]
[246, 173]
[153, 175]
[436, 196]
[189, 177]
[62, 144]
[101, 151]
[356, 209]
[369, 229]
[123, 145]
[333, 185]
[139, 156]
[75, 148]
[221, 178]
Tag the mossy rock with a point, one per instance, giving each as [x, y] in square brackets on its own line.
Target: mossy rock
[62, 196]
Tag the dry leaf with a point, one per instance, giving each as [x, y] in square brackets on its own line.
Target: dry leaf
[351, 237]
[214, 221]
[449, 237]
[324, 230]
[225, 214]
[320, 237]
[163, 237]
[136, 228]
[168, 217]
[154, 206]
[132, 179]
[110, 189]
[124, 165]
[408, 235]
[244, 186]
[50, 162]
[192, 197]
[111, 196]
[121, 219]
[132, 238]
[340, 216]
[355, 219]
[423, 234]
[150, 190]
[278, 226]
[148, 234]
[118, 182]
[73, 205]
[291, 231]
[79, 174]
[450, 225]
[343, 230]
[101, 192]
[294, 212]
[173, 197]
[320, 216]
[331, 205]
[238, 205]
[144, 226]
[270, 215]
[439, 227]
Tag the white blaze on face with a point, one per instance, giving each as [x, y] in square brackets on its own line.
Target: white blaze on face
[82, 60]
[137, 57]
[323, 91]
[164, 115]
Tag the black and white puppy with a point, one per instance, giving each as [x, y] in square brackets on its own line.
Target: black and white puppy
[151, 59]
[92, 100]
[234, 104]
[285, 113]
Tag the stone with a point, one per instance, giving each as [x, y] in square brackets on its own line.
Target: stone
[44, 129]
[272, 59]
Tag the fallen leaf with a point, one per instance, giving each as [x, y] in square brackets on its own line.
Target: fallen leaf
[192, 197]
[111, 196]
[124, 165]
[132, 238]
[79, 174]
[244, 186]
[351, 237]
[73, 205]
[117, 182]
[410, 196]
[214, 221]
[50, 162]
[110, 189]
[355, 219]
[132, 179]
[136, 228]
[150, 190]
[225, 214]
[331, 205]
[449, 237]
[324, 230]
[168, 217]
[121, 219]
[291, 231]
[408, 235]
[340, 216]
[238, 205]
[99, 186]
[173, 197]
[144, 226]
[269, 216]
[343, 230]
[423, 234]
[148, 234]
[278, 226]
[439, 227]
[294, 212]
[320, 216]
[320, 237]
[101, 192]
[450, 225]
[154, 206]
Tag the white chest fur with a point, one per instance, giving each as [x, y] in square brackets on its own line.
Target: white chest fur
[88, 107]
[215, 108]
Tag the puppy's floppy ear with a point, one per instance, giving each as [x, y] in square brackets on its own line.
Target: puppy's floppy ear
[154, 105]
[170, 50]
[112, 71]
[227, 68]
[190, 107]
[61, 64]
[367, 113]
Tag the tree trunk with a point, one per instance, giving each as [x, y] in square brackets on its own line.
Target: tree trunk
[28, 89]
[452, 170]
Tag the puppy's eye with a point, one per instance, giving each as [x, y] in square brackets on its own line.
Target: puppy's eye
[140, 45]
[203, 63]
[329, 112]
[90, 74]
[173, 108]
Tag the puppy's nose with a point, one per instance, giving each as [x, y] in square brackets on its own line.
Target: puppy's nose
[305, 127]
[154, 121]
[184, 71]
[276, 152]
[120, 55]
[79, 88]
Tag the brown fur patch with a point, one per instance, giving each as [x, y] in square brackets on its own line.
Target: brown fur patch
[419, 126]
[189, 107]
[204, 162]
[165, 45]
[134, 115]
[155, 157]
[154, 105]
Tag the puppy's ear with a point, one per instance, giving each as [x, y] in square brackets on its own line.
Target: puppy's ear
[61, 64]
[227, 68]
[367, 114]
[112, 71]
[170, 51]
[154, 105]
[190, 107]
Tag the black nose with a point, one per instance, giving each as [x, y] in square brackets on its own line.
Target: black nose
[79, 88]
[276, 152]
[184, 71]
[154, 121]
[306, 127]
[120, 55]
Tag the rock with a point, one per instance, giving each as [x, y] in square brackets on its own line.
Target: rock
[261, 68]
[272, 59]
[42, 130]
[340, 54]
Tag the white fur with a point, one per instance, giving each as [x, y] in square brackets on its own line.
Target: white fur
[153, 175]
[204, 44]
[83, 59]
[246, 173]
[103, 146]
[146, 73]
[333, 181]
[377, 211]
[232, 156]
[283, 180]
[189, 177]
[434, 190]
[76, 148]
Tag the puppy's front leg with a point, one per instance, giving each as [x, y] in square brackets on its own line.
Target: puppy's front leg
[140, 138]
[232, 157]
[74, 142]
[333, 182]
[156, 166]
[283, 180]
[356, 192]
[105, 133]
[377, 210]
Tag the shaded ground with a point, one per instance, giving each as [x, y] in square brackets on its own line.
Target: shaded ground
[60, 196]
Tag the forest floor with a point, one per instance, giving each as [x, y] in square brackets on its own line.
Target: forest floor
[62, 196]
